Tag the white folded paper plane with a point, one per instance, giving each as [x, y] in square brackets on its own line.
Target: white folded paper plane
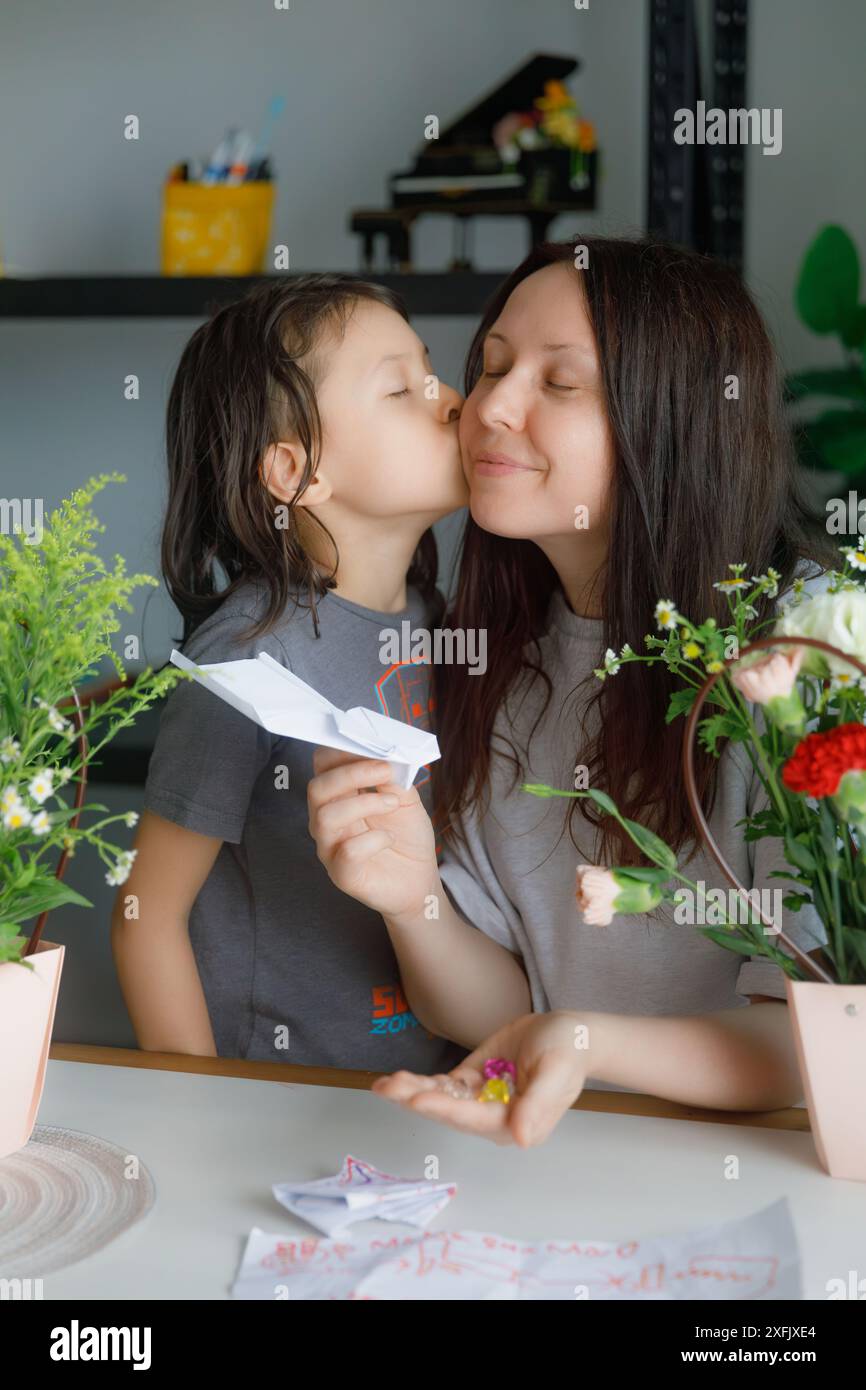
[285, 705]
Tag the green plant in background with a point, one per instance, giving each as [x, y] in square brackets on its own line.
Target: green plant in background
[827, 299]
[58, 611]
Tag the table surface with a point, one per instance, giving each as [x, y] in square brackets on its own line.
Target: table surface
[216, 1134]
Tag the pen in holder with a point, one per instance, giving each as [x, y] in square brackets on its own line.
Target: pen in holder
[216, 229]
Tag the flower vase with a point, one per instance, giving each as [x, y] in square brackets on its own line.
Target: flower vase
[829, 1025]
[28, 999]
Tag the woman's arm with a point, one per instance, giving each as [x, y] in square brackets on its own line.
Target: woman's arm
[459, 983]
[152, 951]
[737, 1059]
[378, 846]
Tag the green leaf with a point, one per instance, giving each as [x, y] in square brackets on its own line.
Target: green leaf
[644, 875]
[726, 938]
[845, 383]
[853, 327]
[41, 897]
[794, 901]
[716, 727]
[838, 440]
[681, 702]
[798, 854]
[855, 939]
[604, 801]
[651, 845]
[829, 281]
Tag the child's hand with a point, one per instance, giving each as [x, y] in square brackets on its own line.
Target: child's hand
[551, 1072]
[377, 846]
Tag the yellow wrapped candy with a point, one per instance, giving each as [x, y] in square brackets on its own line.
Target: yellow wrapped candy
[496, 1088]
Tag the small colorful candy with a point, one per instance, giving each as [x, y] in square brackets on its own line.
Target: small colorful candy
[501, 1078]
[499, 1066]
[496, 1088]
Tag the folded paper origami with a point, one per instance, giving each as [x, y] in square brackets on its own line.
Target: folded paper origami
[285, 705]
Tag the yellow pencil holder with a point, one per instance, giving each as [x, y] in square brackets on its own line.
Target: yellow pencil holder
[214, 229]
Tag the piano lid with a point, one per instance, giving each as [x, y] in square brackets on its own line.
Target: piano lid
[516, 93]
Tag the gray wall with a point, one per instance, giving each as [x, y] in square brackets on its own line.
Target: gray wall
[359, 76]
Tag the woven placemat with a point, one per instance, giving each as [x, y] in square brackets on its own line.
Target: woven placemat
[64, 1196]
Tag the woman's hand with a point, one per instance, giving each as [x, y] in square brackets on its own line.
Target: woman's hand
[552, 1062]
[377, 846]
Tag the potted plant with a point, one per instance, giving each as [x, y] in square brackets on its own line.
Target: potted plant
[797, 700]
[834, 440]
[58, 611]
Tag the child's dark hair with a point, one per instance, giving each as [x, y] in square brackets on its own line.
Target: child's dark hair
[248, 378]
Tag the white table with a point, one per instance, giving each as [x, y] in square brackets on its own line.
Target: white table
[215, 1144]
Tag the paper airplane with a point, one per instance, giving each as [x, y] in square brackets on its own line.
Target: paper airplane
[285, 705]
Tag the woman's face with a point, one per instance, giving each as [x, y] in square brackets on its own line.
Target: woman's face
[533, 433]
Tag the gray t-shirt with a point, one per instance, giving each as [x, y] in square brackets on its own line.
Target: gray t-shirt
[276, 944]
[514, 876]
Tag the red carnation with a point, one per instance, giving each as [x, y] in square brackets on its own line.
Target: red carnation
[820, 761]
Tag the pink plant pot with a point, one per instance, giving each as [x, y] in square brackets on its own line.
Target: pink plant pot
[829, 1025]
[28, 999]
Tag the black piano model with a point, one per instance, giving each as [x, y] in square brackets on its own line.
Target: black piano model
[462, 175]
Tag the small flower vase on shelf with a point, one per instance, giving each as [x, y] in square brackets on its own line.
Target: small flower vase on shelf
[828, 1017]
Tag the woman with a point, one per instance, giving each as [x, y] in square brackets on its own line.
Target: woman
[623, 440]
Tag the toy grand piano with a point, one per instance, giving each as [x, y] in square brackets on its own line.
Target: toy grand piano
[461, 174]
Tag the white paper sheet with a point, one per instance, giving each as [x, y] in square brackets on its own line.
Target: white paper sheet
[754, 1258]
[282, 703]
[359, 1192]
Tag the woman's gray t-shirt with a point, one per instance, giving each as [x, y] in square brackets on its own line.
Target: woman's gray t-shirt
[513, 875]
[292, 969]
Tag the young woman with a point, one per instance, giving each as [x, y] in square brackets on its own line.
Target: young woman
[641, 395]
[309, 452]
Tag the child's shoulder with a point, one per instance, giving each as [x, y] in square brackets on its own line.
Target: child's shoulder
[228, 633]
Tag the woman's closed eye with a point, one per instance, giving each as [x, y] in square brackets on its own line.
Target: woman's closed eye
[392, 395]
[554, 385]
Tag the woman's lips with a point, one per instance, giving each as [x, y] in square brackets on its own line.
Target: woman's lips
[499, 465]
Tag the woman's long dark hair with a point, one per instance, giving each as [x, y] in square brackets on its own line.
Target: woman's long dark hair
[247, 378]
[700, 481]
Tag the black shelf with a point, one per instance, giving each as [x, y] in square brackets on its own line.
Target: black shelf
[169, 296]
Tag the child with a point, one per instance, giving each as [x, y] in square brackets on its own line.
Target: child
[309, 453]
[600, 394]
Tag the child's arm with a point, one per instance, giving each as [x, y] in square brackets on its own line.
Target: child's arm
[459, 982]
[152, 953]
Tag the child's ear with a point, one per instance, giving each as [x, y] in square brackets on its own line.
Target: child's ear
[281, 471]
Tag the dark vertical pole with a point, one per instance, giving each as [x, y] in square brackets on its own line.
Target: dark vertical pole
[672, 85]
[727, 162]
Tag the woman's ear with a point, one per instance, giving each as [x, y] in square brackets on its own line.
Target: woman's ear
[281, 470]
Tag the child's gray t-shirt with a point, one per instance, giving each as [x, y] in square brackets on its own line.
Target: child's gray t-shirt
[282, 954]
[513, 875]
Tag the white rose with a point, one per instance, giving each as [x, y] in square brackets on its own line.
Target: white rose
[839, 619]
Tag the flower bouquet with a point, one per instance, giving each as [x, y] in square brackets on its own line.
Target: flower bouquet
[798, 707]
[58, 605]
[554, 123]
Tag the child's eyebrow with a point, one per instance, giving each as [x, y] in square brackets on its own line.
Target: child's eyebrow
[398, 356]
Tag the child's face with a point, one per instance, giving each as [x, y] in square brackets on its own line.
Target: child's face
[544, 409]
[387, 450]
